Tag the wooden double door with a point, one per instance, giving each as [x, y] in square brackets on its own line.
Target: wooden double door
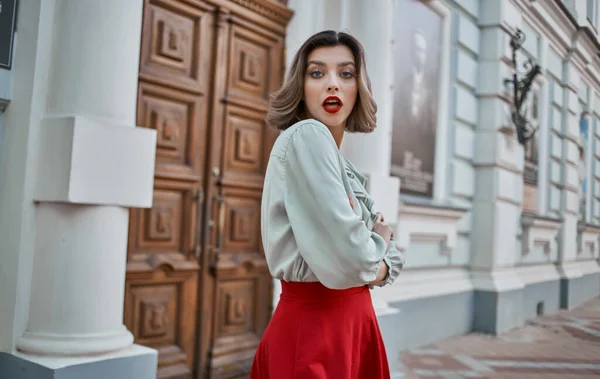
[198, 288]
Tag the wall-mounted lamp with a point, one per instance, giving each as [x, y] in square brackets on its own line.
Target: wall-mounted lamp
[520, 84]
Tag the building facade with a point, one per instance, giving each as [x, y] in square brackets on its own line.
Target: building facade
[132, 152]
[494, 232]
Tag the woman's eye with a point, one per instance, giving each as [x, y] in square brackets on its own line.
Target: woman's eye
[316, 74]
[347, 74]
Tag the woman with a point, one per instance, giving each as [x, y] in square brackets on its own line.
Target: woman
[321, 235]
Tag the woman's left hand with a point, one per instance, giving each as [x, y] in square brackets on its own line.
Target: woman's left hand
[381, 219]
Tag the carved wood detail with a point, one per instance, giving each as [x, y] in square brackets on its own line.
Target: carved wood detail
[177, 119]
[251, 62]
[173, 38]
[268, 9]
[244, 144]
[243, 223]
[247, 145]
[156, 312]
[236, 303]
[156, 307]
[163, 221]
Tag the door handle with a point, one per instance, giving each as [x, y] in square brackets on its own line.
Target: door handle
[199, 199]
[220, 200]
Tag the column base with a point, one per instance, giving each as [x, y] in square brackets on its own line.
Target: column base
[136, 362]
[579, 282]
[58, 345]
[497, 312]
[498, 301]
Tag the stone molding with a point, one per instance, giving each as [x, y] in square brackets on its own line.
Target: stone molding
[539, 230]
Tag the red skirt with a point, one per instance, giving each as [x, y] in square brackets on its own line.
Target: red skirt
[320, 333]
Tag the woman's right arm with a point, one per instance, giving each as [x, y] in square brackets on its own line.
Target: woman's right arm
[334, 242]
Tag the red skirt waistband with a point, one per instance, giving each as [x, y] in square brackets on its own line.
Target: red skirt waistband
[315, 291]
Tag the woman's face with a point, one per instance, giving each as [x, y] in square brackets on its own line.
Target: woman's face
[330, 85]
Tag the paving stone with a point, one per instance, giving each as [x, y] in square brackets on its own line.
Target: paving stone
[564, 345]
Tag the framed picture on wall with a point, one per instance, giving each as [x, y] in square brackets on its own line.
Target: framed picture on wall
[531, 155]
[418, 39]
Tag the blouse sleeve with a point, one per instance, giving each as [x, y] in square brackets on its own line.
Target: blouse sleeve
[394, 259]
[333, 241]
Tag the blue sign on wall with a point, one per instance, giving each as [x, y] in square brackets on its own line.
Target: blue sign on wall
[8, 19]
[584, 131]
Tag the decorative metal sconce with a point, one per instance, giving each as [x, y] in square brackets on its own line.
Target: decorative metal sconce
[521, 84]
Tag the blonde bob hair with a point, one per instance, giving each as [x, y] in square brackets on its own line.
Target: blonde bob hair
[287, 106]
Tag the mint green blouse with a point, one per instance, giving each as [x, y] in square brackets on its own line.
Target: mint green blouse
[310, 232]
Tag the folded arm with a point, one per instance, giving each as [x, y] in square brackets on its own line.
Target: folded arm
[337, 246]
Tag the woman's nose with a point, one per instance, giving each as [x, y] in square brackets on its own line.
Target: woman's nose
[333, 85]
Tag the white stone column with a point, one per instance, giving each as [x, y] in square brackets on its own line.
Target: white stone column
[590, 156]
[543, 132]
[570, 270]
[310, 17]
[570, 142]
[16, 213]
[92, 165]
[371, 153]
[499, 182]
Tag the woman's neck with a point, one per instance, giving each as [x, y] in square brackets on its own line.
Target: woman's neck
[336, 131]
[338, 134]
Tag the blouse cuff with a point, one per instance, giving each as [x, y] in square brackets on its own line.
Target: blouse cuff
[394, 259]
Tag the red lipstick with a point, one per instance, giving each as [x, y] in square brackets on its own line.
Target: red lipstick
[332, 104]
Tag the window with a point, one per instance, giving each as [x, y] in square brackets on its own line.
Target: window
[592, 12]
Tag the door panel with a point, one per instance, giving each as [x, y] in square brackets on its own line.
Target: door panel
[250, 61]
[242, 224]
[244, 145]
[198, 288]
[176, 44]
[163, 271]
[157, 312]
[242, 294]
[162, 277]
[179, 120]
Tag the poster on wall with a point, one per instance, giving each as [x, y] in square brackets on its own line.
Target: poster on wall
[531, 164]
[530, 173]
[418, 46]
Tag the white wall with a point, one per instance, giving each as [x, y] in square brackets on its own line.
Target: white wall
[18, 166]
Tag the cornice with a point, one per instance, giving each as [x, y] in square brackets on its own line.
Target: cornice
[547, 22]
[270, 9]
[552, 20]
[585, 48]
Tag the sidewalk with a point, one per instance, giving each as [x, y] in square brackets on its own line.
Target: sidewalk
[565, 345]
